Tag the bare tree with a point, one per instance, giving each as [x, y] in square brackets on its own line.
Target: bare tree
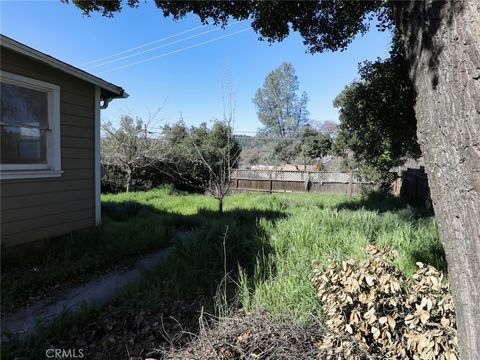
[130, 147]
[217, 183]
[203, 158]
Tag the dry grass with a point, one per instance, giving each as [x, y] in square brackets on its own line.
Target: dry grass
[258, 335]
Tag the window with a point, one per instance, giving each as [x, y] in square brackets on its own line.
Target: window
[30, 128]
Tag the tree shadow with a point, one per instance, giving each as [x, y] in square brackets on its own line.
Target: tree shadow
[382, 202]
[208, 250]
[432, 254]
[374, 201]
[209, 246]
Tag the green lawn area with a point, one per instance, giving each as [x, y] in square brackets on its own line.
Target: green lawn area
[272, 241]
[262, 246]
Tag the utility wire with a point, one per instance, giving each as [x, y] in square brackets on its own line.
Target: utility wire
[141, 46]
[175, 51]
[156, 47]
[267, 138]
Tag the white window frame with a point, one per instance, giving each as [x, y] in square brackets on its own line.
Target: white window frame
[53, 166]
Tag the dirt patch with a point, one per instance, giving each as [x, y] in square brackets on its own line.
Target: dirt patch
[15, 274]
[122, 330]
[56, 287]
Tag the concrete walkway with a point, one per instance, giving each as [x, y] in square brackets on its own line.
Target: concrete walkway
[96, 292]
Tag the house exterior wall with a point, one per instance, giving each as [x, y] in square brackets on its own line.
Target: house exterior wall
[39, 208]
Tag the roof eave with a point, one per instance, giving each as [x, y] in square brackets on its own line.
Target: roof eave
[9, 43]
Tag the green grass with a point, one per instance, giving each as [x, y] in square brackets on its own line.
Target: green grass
[271, 242]
[128, 230]
[309, 235]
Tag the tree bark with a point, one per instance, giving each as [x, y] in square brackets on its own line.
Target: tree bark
[442, 41]
[220, 205]
[128, 182]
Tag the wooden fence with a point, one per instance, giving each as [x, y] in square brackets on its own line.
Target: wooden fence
[296, 181]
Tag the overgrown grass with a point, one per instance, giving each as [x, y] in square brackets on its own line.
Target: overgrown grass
[282, 279]
[272, 241]
[263, 245]
[128, 229]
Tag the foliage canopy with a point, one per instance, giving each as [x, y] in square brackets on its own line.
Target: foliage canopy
[279, 108]
[323, 25]
[377, 117]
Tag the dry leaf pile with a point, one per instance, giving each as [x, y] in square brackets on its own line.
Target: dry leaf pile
[374, 311]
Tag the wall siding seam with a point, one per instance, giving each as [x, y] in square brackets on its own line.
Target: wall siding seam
[90, 188]
[72, 137]
[83, 210]
[77, 126]
[88, 107]
[83, 137]
[69, 92]
[47, 203]
[9, 243]
[46, 193]
[66, 168]
[88, 117]
[79, 135]
[76, 147]
[69, 147]
[41, 180]
[79, 157]
[30, 218]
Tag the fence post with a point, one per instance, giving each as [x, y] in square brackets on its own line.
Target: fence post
[350, 183]
[270, 181]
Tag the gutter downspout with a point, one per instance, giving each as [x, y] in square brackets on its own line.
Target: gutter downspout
[106, 101]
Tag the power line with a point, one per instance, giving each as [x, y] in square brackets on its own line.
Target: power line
[263, 138]
[157, 47]
[242, 137]
[141, 46]
[175, 51]
[269, 139]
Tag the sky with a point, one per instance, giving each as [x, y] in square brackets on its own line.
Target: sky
[188, 70]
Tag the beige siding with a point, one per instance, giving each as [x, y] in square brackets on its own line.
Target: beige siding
[34, 209]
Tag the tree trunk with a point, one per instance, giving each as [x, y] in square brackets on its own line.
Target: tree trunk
[442, 41]
[128, 181]
[220, 205]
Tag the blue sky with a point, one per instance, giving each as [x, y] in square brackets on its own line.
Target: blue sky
[188, 81]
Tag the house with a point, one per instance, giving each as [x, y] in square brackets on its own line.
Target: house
[50, 145]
